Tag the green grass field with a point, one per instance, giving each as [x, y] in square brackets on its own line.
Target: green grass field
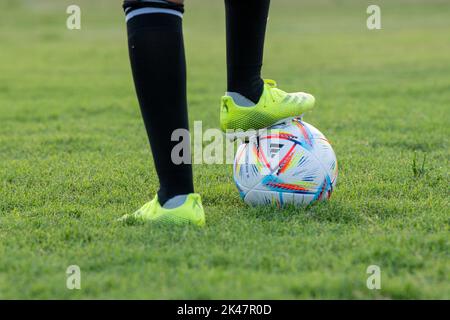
[74, 157]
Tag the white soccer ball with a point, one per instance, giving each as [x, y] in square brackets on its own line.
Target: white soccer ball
[290, 163]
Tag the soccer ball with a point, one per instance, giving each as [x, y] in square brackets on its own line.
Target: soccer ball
[289, 163]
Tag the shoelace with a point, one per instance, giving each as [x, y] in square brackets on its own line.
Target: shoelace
[272, 85]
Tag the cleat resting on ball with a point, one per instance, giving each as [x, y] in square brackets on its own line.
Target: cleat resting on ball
[275, 106]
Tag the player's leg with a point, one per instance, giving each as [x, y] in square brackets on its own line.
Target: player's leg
[246, 29]
[250, 102]
[157, 57]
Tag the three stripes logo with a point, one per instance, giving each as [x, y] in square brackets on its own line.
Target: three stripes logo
[274, 149]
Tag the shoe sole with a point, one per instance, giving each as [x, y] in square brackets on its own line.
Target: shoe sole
[246, 135]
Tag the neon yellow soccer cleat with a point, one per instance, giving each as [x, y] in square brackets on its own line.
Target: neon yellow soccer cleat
[275, 106]
[190, 212]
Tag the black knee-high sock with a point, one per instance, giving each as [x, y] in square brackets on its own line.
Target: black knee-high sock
[159, 70]
[246, 22]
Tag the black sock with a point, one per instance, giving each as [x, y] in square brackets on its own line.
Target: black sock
[246, 30]
[159, 70]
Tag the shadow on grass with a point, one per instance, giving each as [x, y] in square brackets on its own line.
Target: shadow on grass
[332, 211]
